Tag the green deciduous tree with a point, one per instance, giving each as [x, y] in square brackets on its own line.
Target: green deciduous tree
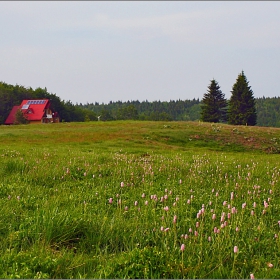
[242, 110]
[214, 103]
[127, 113]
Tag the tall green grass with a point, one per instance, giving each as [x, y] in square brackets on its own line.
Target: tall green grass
[121, 205]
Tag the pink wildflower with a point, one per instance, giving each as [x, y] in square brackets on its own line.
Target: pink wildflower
[166, 208]
[235, 249]
[110, 200]
[182, 247]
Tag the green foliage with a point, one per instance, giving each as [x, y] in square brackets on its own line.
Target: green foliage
[214, 104]
[153, 111]
[268, 111]
[106, 115]
[20, 118]
[127, 113]
[242, 109]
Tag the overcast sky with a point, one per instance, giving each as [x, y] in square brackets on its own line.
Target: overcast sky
[132, 50]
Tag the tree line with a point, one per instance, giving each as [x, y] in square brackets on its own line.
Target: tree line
[267, 109]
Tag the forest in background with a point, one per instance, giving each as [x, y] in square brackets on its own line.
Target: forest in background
[268, 113]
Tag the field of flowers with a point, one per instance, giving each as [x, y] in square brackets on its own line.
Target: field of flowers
[131, 207]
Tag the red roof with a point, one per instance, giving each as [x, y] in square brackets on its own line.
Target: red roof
[11, 117]
[34, 110]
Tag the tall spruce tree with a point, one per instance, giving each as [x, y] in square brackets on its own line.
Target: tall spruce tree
[213, 108]
[242, 110]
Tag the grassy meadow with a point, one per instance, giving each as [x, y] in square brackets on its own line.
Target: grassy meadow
[131, 199]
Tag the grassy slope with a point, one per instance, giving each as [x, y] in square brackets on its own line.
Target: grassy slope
[55, 225]
[146, 135]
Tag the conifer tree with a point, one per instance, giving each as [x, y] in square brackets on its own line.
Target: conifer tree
[242, 109]
[213, 108]
[20, 118]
